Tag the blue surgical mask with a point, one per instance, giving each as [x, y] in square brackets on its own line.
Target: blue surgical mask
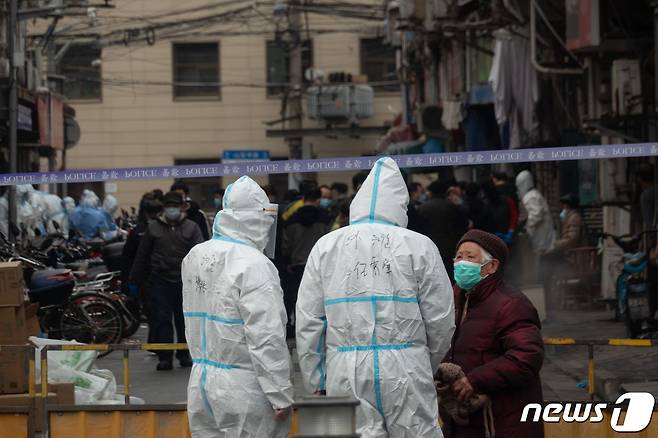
[172, 213]
[325, 203]
[468, 274]
[423, 198]
[217, 202]
[563, 215]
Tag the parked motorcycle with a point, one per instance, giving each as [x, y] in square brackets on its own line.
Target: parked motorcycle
[633, 290]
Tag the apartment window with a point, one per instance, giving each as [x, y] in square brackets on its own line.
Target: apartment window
[196, 70]
[82, 78]
[378, 63]
[278, 64]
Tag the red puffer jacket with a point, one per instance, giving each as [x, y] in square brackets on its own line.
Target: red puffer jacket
[499, 346]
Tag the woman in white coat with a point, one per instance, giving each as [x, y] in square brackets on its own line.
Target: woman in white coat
[235, 325]
[375, 313]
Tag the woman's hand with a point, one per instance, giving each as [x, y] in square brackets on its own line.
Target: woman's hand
[463, 390]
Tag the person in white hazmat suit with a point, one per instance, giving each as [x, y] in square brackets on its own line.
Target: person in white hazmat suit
[375, 313]
[235, 324]
[539, 224]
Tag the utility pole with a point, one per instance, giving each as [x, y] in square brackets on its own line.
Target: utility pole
[13, 111]
[295, 91]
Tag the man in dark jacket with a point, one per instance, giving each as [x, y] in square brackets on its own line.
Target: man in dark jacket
[443, 222]
[166, 242]
[302, 231]
[193, 212]
[497, 342]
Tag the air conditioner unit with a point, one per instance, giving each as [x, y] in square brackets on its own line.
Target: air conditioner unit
[345, 103]
[414, 10]
[626, 87]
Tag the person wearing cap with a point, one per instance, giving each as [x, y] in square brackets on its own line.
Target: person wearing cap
[497, 342]
[375, 313]
[161, 250]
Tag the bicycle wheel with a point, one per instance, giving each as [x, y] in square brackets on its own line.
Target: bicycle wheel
[91, 319]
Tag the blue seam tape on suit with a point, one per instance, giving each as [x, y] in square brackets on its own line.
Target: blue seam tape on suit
[322, 352]
[204, 395]
[215, 318]
[370, 298]
[373, 347]
[373, 202]
[212, 363]
[374, 221]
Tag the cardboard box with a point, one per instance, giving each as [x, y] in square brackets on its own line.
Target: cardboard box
[65, 392]
[12, 290]
[14, 367]
[12, 326]
[32, 327]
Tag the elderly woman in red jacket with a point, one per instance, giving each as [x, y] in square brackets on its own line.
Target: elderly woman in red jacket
[497, 342]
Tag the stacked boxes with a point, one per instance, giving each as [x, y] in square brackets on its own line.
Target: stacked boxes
[15, 328]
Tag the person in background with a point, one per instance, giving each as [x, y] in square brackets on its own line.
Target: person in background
[539, 224]
[497, 343]
[163, 246]
[498, 209]
[375, 313]
[342, 214]
[417, 197]
[501, 182]
[305, 186]
[193, 211]
[417, 194]
[455, 194]
[303, 230]
[572, 228]
[478, 215]
[443, 222]
[338, 191]
[159, 194]
[217, 199]
[326, 197]
[358, 179]
[90, 220]
[149, 209]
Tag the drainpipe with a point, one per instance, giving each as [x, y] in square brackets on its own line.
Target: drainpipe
[533, 49]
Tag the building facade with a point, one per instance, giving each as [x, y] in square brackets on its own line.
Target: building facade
[162, 83]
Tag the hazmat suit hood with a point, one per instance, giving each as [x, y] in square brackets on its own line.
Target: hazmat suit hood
[89, 199]
[383, 197]
[243, 217]
[111, 205]
[69, 204]
[524, 183]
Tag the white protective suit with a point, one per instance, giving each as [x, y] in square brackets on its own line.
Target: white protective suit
[375, 313]
[540, 223]
[235, 325]
[111, 205]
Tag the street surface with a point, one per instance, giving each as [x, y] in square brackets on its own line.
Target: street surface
[619, 368]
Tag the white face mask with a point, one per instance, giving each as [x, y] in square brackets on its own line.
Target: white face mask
[172, 213]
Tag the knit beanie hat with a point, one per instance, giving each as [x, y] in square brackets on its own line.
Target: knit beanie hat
[489, 242]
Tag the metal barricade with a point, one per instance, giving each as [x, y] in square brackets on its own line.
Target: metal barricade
[591, 343]
[153, 417]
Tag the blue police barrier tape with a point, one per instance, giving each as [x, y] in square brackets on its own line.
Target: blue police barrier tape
[334, 164]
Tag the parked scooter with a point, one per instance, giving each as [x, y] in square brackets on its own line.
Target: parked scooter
[633, 290]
